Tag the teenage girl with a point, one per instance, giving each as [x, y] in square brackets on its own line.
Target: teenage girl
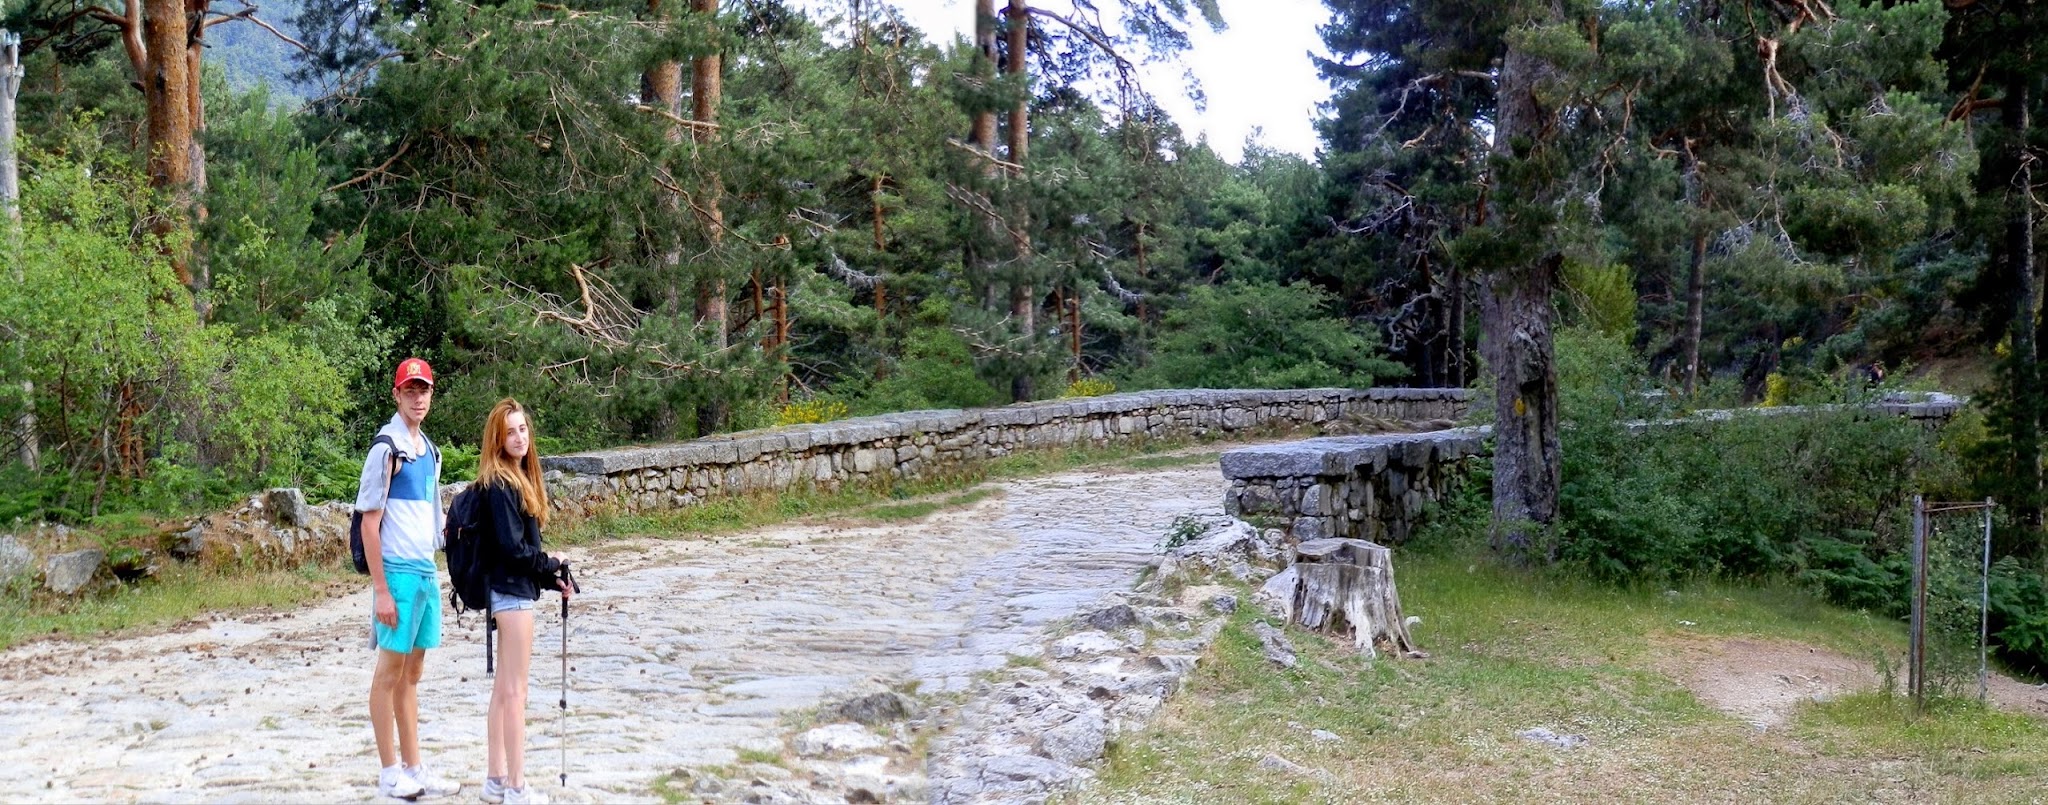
[512, 512]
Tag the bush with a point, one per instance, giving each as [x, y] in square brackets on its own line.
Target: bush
[811, 411]
[1088, 387]
[138, 403]
[936, 371]
[1264, 336]
[1821, 496]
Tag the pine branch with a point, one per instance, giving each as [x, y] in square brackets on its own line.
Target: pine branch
[978, 203]
[384, 168]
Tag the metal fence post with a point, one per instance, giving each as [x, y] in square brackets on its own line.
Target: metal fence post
[1916, 659]
[1984, 614]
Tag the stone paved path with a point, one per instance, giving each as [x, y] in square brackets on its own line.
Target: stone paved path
[684, 654]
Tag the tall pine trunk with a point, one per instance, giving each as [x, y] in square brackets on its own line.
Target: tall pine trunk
[162, 64]
[1695, 311]
[1457, 326]
[2027, 396]
[983, 133]
[662, 86]
[712, 308]
[1516, 319]
[1023, 301]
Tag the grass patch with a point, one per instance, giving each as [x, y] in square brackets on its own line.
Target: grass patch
[178, 593]
[1513, 651]
[918, 509]
[761, 756]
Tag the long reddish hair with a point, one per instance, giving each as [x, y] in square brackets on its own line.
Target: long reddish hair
[493, 466]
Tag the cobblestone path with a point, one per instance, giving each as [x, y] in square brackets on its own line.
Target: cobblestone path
[685, 653]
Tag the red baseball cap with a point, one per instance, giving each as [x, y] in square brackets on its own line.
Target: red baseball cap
[412, 369]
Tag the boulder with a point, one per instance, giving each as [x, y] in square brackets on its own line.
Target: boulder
[15, 559]
[878, 708]
[1080, 740]
[67, 573]
[1111, 618]
[189, 544]
[287, 507]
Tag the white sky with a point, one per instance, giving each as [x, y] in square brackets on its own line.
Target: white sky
[1256, 72]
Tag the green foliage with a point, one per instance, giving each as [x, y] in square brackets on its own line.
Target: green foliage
[1750, 495]
[124, 372]
[1184, 529]
[1258, 335]
[936, 371]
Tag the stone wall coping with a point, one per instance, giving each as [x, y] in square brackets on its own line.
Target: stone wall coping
[745, 446]
[1339, 455]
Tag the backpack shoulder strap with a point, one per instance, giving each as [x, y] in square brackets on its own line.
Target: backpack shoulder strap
[391, 473]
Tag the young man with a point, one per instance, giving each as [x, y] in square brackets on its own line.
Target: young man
[401, 530]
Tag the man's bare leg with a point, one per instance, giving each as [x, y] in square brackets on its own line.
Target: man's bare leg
[406, 705]
[385, 684]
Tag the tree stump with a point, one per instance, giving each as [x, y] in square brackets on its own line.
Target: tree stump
[1348, 584]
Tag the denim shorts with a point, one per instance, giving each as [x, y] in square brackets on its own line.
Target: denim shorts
[501, 602]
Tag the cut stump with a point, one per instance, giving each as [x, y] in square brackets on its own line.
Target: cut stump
[1348, 585]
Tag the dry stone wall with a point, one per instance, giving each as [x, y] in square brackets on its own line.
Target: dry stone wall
[1372, 487]
[923, 443]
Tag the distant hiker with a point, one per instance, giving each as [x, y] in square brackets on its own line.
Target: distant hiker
[1873, 375]
[401, 524]
[511, 513]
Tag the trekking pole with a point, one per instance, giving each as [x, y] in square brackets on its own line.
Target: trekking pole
[568, 585]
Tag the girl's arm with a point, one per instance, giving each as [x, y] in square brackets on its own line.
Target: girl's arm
[517, 555]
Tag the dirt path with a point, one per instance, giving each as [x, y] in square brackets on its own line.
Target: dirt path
[684, 653]
[1764, 681]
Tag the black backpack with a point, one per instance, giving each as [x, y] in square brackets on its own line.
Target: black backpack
[466, 540]
[355, 518]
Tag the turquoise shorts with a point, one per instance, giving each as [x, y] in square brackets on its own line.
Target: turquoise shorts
[419, 614]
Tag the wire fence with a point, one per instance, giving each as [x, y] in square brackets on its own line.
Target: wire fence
[1951, 549]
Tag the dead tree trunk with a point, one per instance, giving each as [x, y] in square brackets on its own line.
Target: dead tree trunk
[2027, 386]
[10, 86]
[1696, 275]
[1346, 586]
[11, 73]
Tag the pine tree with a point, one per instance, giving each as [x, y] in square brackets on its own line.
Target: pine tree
[1995, 55]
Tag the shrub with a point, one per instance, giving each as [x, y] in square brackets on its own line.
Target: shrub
[1088, 387]
[139, 403]
[1266, 336]
[811, 411]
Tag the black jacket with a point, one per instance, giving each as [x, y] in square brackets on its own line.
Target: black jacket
[514, 561]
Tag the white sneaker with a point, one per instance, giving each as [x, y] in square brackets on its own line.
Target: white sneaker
[494, 790]
[431, 784]
[525, 796]
[394, 782]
